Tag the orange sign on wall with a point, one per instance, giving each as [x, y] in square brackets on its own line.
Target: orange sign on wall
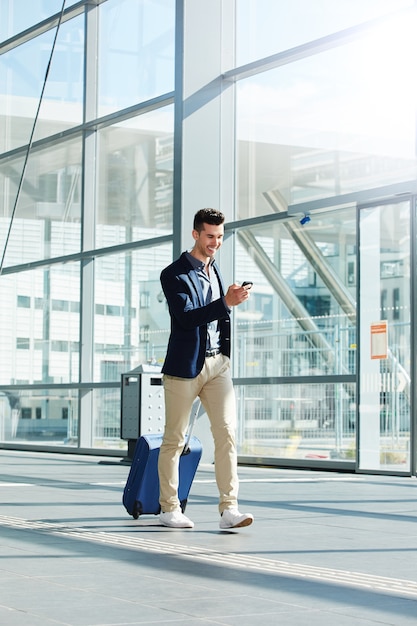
[379, 340]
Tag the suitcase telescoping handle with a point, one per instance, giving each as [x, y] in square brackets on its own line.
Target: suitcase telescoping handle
[193, 420]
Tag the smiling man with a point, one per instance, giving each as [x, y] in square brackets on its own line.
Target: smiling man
[197, 364]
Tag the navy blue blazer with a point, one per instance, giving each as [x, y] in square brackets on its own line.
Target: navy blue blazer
[189, 318]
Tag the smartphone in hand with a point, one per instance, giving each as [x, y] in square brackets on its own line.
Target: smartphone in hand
[247, 283]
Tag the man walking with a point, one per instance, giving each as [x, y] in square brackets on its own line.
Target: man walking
[197, 364]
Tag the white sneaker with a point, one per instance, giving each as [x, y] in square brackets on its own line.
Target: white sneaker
[175, 519]
[231, 518]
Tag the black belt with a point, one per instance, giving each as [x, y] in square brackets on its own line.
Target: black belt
[212, 352]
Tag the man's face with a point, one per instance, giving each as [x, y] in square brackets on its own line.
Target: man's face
[208, 241]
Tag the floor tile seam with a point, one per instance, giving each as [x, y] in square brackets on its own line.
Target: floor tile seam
[197, 553]
[34, 613]
[317, 520]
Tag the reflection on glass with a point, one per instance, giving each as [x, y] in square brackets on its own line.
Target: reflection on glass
[265, 27]
[62, 102]
[297, 421]
[131, 317]
[15, 18]
[21, 89]
[136, 56]
[327, 125]
[136, 179]
[40, 325]
[300, 318]
[48, 416]
[46, 223]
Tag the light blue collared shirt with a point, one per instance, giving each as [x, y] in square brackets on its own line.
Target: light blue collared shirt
[211, 291]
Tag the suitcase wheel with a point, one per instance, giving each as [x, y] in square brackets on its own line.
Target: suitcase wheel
[183, 504]
[137, 510]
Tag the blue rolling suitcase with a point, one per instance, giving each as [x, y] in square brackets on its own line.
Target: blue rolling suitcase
[141, 493]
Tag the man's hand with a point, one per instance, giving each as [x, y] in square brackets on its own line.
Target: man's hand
[236, 294]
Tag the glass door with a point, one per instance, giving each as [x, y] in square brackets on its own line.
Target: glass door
[385, 337]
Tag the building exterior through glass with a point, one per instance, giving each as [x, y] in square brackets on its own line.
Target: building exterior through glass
[119, 119]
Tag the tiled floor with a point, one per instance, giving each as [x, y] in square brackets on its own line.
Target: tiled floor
[325, 548]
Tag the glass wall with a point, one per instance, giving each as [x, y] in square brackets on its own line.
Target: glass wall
[385, 337]
[23, 69]
[326, 124]
[136, 52]
[46, 218]
[317, 129]
[40, 325]
[86, 225]
[135, 174]
[268, 27]
[298, 121]
[300, 421]
[131, 317]
[15, 20]
[297, 333]
[33, 416]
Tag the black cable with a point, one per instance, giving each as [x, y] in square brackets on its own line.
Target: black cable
[19, 188]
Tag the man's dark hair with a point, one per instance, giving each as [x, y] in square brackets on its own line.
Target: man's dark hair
[207, 216]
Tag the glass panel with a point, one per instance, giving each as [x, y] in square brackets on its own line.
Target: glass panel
[385, 356]
[301, 316]
[62, 105]
[106, 419]
[39, 333]
[136, 179]
[136, 56]
[16, 18]
[47, 416]
[47, 218]
[62, 102]
[265, 27]
[131, 316]
[296, 421]
[327, 125]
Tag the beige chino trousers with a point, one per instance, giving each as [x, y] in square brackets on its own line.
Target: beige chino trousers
[214, 386]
